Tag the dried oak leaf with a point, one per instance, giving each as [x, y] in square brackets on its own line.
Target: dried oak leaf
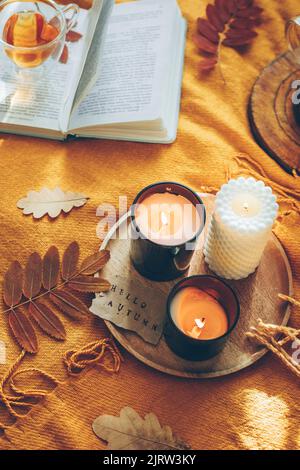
[131, 432]
[51, 202]
[230, 23]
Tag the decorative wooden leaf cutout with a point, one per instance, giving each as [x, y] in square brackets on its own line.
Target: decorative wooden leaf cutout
[70, 261]
[13, 283]
[51, 265]
[131, 432]
[50, 202]
[89, 284]
[69, 304]
[23, 331]
[47, 320]
[94, 263]
[32, 276]
[41, 279]
[229, 23]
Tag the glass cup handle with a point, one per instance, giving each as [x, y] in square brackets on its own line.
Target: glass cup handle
[70, 20]
[292, 32]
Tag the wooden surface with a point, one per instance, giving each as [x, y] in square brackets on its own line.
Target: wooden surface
[271, 112]
[257, 294]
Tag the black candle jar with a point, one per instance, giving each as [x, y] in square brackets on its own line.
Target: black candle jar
[191, 348]
[158, 261]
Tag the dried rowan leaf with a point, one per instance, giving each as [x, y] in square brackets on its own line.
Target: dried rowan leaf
[64, 55]
[222, 10]
[70, 261]
[238, 34]
[69, 304]
[13, 283]
[51, 202]
[236, 42]
[51, 265]
[213, 18]
[89, 284]
[73, 36]
[131, 432]
[23, 331]
[229, 23]
[205, 45]
[208, 63]
[32, 276]
[94, 263]
[206, 30]
[230, 6]
[242, 23]
[47, 320]
[252, 12]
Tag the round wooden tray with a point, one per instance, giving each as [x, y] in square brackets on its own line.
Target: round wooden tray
[271, 112]
[257, 294]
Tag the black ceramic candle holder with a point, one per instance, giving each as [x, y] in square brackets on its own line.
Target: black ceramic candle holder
[160, 262]
[202, 349]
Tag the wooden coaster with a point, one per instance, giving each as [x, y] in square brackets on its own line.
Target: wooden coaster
[258, 297]
[271, 112]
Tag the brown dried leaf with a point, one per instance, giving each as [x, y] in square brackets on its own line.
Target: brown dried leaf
[206, 30]
[230, 6]
[51, 265]
[243, 23]
[47, 320]
[213, 18]
[205, 45]
[12, 285]
[64, 55]
[89, 284]
[94, 263]
[69, 304]
[208, 63]
[32, 276]
[223, 13]
[70, 261]
[131, 432]
[238, 34]
[73, 36]
[236, 42]
[23, 331]
[252, 12]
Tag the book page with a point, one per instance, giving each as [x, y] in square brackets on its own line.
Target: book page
[134, 67]
[45, 102]
[88, 77]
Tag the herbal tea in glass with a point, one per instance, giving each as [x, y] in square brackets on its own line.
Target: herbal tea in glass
[28, 29]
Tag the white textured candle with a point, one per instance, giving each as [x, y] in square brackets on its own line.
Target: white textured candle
[240, 228]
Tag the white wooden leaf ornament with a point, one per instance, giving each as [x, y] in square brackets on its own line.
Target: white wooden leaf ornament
[131, 432]
[51, 202]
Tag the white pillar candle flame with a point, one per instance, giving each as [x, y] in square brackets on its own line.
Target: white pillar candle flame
[240, 227]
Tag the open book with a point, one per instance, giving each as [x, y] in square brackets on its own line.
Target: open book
[122, 80]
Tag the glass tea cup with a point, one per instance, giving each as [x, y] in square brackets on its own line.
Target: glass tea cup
[32, 34]
[292, 31]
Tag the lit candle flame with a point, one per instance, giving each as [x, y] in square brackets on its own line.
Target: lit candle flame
[198, 328]
[246, 206]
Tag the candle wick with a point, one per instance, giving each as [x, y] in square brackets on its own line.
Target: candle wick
[200, 323]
